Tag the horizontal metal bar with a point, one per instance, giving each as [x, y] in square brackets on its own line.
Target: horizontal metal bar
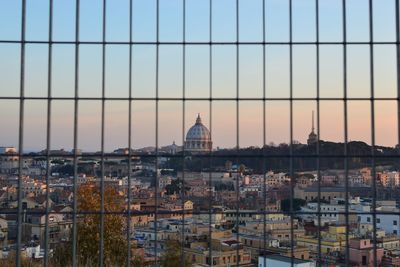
[96, 156]
[200, 212]
[235, 43]
[261, 99]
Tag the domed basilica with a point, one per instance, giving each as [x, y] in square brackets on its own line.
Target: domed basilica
[198, 138]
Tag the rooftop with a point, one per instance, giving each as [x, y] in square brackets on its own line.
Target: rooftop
[285, 259]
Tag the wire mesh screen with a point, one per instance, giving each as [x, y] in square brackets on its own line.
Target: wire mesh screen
[199, 133]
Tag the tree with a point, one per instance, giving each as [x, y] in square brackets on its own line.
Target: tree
[88, 235]
[89, 199]
[67, 169]
[10, 261]
[62, 255]
[297, 204]
[176, 187]
[242, 168]
[173, 188]
[228, 165]
[172, 256]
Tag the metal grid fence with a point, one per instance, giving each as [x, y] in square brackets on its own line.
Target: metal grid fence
[265, 100]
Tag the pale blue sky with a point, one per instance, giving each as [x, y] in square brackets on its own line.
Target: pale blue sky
[197, 70]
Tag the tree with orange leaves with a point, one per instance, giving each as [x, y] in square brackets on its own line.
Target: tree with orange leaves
[115, 241]
[88, 226]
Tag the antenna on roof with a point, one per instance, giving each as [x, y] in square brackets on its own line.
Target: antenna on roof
[312, 121]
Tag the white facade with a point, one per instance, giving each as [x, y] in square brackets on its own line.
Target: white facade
[329, 212]
[282, 261]
[35, 252]
[390, 223]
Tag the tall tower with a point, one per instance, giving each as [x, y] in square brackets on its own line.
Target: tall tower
[312, 137]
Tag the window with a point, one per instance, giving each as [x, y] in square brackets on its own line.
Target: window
[395, 222]
[364, 260]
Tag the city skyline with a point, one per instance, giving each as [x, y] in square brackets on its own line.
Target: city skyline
[167, 128]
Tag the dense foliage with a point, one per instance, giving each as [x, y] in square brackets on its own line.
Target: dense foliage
[277, 157]
[297, 204]
[173, 256]
[115, 238]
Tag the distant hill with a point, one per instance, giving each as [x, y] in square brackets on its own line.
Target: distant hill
[304, 157]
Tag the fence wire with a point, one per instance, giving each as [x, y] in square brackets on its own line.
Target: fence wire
[237, 98]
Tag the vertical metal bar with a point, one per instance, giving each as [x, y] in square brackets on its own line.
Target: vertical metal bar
[183, 129]
[211, 196]
[237, 130]
[398, 71]
[157, 99]
[129, 134]
[372, 99]
[103, 89]
[398, 68]
[319, 258]
[345, 122]
[21, 134]
[264, 137]
[76, 105]
[48, 134]
[291, 130]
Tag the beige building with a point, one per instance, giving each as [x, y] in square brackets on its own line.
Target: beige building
[332, 240]
[35, 225]
[389, 179]
[3, 233]
[389, 243]
[225, 252]
[327, 193]
[9, 164]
